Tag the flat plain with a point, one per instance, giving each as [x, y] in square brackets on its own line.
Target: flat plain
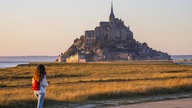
[83, 82]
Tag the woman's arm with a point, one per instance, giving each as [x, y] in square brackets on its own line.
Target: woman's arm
[44, 82]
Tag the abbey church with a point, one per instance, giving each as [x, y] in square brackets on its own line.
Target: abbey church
[112, 30]
[111, 40]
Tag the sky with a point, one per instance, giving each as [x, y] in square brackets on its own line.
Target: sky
[49, 27]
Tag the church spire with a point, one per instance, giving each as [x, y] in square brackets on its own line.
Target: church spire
[112, 16]
[111, 6]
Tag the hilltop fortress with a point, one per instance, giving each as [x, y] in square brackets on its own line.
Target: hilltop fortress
[111, 40]
[114, 30]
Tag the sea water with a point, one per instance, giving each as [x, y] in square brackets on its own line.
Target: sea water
[12, 61]
[181, 57]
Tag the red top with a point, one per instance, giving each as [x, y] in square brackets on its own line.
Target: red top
[36, 85]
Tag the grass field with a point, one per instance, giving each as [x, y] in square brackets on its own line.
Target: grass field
[72, 82]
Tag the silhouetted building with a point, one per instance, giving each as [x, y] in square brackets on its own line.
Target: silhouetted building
[108, 31]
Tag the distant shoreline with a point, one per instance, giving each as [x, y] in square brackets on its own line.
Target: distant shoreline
[13, 61]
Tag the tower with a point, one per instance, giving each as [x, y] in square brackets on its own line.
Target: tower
[112, 16]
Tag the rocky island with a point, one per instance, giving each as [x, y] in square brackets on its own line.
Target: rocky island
[111, 40]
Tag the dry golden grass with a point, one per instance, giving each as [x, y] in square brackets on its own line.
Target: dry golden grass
[92, 81]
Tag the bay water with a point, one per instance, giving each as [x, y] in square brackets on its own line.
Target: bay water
[12, 61]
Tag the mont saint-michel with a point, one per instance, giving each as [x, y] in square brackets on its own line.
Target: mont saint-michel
[111, 40]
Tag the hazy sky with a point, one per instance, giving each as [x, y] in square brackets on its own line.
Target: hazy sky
[48, 27]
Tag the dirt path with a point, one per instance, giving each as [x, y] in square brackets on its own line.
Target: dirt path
[167, 101]
[177, 103]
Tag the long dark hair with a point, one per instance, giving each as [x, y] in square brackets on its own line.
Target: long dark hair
[39, 73]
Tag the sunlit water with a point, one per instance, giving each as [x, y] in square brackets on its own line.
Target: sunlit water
[13, 61]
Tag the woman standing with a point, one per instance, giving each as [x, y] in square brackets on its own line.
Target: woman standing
[39, 84]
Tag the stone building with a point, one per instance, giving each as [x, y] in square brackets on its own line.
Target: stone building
[77, 58]
[90, 39]
[114, 29]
